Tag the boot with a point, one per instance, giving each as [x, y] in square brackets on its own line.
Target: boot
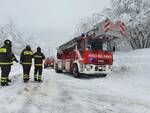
[35, 78]
[25, 80]
[28, 78]
[2, 84]
[6, 84]
[4, 81]
[40, 80]
[8, 80]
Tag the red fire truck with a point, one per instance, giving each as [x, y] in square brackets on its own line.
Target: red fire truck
[49, 62]
[86, 54]
[90, 53]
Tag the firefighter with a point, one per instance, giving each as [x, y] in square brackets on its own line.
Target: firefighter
[38, 61]
[26, 61]
[6, 60]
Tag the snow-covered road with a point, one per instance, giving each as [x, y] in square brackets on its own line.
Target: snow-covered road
[126, 90]
[61, 93]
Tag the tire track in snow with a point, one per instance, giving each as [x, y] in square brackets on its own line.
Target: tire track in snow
[109, 103]
[32, 93]
[65, 103]
[101, 103]
[50, 97]
[39, 96]
[24, 92]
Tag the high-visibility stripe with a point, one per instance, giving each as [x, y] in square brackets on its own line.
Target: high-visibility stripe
[106, 25]
[25, 76]
[122, 28]
[27, 63]
[5, 63]
[37, 56]
[4, 79]
[27, 53]
[3, 50]
[38, 64]
[39, 77]
[35, 76]
[106, 29]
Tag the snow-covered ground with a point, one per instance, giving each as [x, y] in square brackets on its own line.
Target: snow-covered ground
[126, 90]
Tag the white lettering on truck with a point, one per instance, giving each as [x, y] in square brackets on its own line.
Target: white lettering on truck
[100, 56]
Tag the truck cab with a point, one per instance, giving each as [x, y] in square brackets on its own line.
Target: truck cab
[96, 56]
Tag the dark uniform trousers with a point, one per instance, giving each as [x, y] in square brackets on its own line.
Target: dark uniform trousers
[38, 72]
[26, 72]
[5, 70]
[26, 61]
[6, 59]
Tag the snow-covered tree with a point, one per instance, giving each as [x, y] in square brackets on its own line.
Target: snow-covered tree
[134, 13]
[18, 38]
[87, 23]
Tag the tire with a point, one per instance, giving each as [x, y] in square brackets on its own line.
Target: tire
[75, 71]
[103, 75]
[58, 71]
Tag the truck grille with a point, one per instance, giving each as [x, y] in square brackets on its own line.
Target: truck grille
[100, 68]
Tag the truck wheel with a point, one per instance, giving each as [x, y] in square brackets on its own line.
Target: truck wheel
[76, 73]
[103, 75]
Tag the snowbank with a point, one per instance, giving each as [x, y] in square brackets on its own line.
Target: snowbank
[137, 60]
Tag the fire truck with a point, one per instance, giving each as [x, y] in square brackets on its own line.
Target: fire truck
[85, 54]
[49, 62]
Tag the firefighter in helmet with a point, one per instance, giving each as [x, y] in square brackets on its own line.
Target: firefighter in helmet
[38, 61]
[6, 60]
[26, 61]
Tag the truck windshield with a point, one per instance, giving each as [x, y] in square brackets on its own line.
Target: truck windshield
[97, 45]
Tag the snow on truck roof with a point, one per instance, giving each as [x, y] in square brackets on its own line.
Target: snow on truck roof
[75, 41]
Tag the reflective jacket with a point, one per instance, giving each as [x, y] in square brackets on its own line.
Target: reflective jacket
[38, 58]
[6, 56]
[26, 57]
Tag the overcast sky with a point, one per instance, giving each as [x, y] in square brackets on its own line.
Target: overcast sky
[49, 14]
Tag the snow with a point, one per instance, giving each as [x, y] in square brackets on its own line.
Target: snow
[125, 90]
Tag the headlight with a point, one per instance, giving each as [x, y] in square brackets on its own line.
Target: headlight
[81, 66]
[110, 67]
